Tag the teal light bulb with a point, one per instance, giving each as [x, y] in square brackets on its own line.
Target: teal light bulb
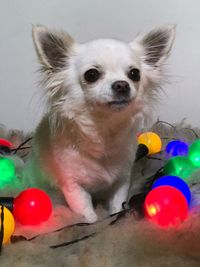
[179, 166]
[194, 153]
[7, 171]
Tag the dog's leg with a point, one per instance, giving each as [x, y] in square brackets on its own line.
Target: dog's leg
[119, 196]
[80, 202]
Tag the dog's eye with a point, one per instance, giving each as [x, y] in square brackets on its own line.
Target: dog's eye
[92, 75]
[134, 75]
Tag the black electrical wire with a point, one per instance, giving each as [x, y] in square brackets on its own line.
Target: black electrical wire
[21, 145]
[65, 244]
[193, 131]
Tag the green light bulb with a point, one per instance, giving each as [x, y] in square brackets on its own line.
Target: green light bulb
[194, 153]
[7, 171]
[179, 166]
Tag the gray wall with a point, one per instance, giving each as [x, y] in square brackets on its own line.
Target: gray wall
[21, 104]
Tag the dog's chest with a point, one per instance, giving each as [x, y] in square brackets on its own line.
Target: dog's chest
[96, 165]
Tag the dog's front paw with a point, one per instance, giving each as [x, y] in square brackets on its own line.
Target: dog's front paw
[90, 217]
[115, 208]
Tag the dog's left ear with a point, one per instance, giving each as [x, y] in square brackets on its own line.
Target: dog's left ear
[155, 46]
[52, 47]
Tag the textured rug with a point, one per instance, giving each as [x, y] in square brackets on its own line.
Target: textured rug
[118, 240]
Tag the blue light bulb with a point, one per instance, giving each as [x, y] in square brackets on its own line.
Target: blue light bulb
[176, 182]
[177, 148]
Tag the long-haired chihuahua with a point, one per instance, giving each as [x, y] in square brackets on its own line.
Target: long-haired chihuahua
[96, 93]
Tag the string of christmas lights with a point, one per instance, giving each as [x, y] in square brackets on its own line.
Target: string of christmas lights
[165, 200]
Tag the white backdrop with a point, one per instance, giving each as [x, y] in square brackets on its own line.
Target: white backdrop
[20, 101]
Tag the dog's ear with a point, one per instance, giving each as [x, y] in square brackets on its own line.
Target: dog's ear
[52, 47]
[155, 46]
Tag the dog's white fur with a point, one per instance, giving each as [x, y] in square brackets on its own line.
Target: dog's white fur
[86, 141]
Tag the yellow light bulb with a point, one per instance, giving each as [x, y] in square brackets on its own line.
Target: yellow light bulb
[152, 141]
[8, 223]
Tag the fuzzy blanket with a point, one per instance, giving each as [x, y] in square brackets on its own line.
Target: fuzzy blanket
[124, 240]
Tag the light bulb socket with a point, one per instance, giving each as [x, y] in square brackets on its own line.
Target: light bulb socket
[8, 202]
[5, 150]
[142, 151]
[136, 203]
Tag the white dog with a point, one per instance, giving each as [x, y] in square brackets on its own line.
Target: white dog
[86, 142]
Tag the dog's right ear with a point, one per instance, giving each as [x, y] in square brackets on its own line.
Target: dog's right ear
[52, 47]
[154, 47]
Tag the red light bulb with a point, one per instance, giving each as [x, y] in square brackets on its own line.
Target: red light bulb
[165, 206]
[4, 142]
[32, 206]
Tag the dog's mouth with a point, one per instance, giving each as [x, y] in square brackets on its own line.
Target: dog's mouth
[119, 104]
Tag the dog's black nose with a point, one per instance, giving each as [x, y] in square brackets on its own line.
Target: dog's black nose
[121, 88]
